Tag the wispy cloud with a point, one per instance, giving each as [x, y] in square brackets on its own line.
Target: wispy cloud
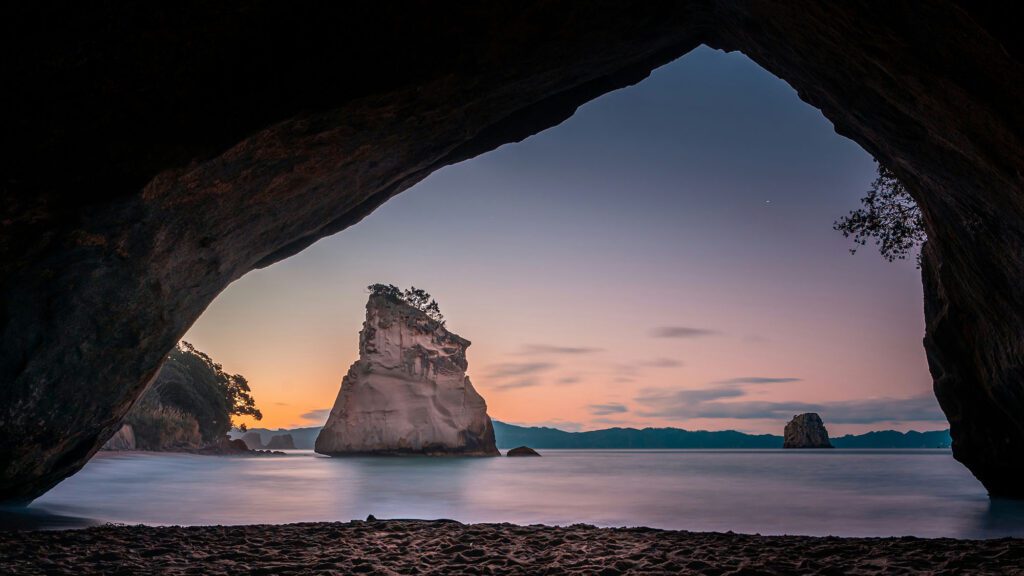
[703, 403]
[682, 332]
[610, 421]
[539, 349]
[757, 380]
[317, 416]
[571, 379]
[513, 369]
[687, 397]
[660, 363]
[607, 409]
[515, 384]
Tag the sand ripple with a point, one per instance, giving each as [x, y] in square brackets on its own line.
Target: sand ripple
[444, 547]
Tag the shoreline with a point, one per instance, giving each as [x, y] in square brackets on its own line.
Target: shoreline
[450, 547]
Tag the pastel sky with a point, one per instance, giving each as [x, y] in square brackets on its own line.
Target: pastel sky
[665, 257]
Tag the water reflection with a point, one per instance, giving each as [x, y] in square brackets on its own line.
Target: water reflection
[839, 492]
[1002, 516]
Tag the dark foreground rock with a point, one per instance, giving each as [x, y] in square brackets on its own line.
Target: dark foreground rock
[223, 447]
[806, 431]
[522, 451]
[446, 547]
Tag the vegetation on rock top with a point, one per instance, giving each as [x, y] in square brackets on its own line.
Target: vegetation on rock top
[415, 297]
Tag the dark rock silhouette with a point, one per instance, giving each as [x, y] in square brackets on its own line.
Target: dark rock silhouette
[522, 451]
[806, 431]
[303, 438]
[169, 166]
[253, 440]
[281, 442]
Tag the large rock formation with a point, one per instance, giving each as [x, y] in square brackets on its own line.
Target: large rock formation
[156, 154]
[408, 392]
[806, 431]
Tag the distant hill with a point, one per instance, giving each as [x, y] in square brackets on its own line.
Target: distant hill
[303, 437]
[510, 436]
[894, 439]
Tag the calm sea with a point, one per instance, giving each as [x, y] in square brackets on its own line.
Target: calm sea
[837, 492]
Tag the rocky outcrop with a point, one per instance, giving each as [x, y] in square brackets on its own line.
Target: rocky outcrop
[253, 440]
[521, 451]
[123, 439]
[281, 442]
[168, 166]
[408, 392]
[806, 431]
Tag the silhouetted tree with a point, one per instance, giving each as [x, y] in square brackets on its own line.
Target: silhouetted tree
[191, 387]
[389, 291]
[889, 216]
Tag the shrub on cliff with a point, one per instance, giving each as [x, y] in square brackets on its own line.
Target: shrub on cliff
[190, 387]
[158, 427]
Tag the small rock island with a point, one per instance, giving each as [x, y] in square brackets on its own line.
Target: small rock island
[806, 431]
[408, 392]
[521, 451]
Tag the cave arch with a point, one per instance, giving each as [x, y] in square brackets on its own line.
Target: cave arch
[183, 146]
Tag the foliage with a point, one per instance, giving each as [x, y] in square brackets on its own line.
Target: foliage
[889, 216]
[158, 427]
[415, 297]
[193, 385]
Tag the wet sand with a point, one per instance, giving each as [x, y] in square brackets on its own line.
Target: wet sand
[445, 547]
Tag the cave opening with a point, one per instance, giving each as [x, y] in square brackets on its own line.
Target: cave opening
[702, 197]
[128, 216]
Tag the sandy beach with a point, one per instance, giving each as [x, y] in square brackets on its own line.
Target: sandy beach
[446, 547]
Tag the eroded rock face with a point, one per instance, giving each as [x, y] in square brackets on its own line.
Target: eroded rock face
[806, 431]
[123, 439]
[408, 392]
[152, 164]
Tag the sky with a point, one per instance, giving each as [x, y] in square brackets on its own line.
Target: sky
[665, 257]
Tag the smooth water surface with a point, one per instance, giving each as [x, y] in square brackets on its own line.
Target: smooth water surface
[812, 492]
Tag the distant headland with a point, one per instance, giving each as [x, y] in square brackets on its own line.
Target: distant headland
[509, 436]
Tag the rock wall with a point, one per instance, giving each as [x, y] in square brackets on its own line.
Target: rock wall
[408, 392]
[151, 165]
[806, 431]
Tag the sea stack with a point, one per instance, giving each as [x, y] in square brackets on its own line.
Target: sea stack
[408, 392]
[806, 431]
[281, 442]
